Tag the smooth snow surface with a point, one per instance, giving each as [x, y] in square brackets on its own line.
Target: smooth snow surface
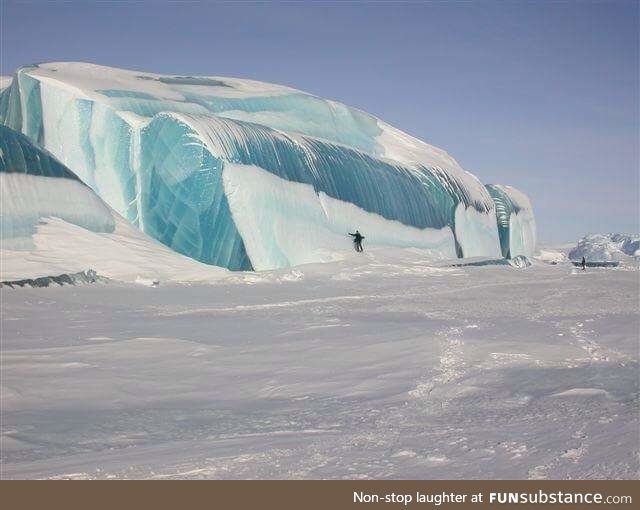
[155, 149]
[376, 366]
[125, 254]
[606, 247]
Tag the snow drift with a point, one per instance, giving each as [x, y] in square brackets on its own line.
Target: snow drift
[249, 175]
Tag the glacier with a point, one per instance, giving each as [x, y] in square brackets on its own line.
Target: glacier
[250, 175]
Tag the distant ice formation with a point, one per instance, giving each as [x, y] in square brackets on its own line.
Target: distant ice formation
[606, 247]
[250, 175]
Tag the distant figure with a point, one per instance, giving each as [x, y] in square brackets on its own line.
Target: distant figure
[584, 263]
[357, 240]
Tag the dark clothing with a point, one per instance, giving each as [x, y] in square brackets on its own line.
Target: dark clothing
[584, 263]
[357, 240]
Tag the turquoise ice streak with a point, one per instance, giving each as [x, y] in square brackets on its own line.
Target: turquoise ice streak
[19, 155]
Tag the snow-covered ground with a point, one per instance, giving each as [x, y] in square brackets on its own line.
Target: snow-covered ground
[376, 366]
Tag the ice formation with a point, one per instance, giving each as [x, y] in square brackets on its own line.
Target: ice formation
[606, 247]
[249, 175]
[35, 185]
[516, 223]
[53, 224]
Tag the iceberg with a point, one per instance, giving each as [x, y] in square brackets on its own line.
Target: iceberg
[606, 248]
[250, 175]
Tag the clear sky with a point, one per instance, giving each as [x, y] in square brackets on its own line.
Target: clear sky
[540, 95]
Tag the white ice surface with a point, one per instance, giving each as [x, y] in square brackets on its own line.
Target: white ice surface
[376, 366]
[477, 232]
[522, 233]
[92, 77]
[289, 224]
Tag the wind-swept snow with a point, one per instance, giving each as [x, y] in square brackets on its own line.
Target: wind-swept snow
[376, 366]
[126, 254]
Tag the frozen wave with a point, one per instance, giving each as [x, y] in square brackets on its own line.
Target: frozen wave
[53, 224]
[606, 247]
[155, 148]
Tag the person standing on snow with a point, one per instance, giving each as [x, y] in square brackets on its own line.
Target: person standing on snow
[584, 263]
[357, 240]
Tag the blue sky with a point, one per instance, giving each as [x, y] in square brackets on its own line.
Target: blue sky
[540, 95]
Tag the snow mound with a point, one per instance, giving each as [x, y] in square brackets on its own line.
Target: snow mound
[550, 256]
[606, 247]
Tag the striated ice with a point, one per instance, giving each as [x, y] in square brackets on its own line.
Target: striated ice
[250, 175]
[53, 224]
[516, 223]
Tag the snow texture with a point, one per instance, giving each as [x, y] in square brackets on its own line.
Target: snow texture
[163, 150]
[374, 366]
